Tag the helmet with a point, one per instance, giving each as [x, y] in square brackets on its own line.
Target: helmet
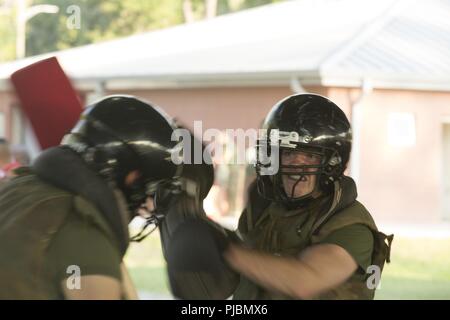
[185, 194]
[119, 134]
[195, 180]
[309, 123]
[199, 175]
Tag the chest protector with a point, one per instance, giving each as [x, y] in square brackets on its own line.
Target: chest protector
[31, 213]
[286, 233]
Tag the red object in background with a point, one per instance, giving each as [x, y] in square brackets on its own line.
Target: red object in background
[11, 166]
[7, 169]
[48, 100]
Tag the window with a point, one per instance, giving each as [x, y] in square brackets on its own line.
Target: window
[401, 129]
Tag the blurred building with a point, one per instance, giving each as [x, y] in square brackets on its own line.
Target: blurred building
[386, 63]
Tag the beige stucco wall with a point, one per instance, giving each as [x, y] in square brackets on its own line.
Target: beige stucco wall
[221, 108]
[398, 184]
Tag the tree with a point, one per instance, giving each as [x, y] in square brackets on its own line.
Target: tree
[206, 9]
[104, 20]
[7, 34]
[100, 20]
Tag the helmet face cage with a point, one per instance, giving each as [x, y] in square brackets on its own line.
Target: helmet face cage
[272, 186]
[302, 122]
[161, 194]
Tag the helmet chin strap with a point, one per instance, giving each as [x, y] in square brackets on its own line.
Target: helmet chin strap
[293, 202]
[154, 220]
[162, 199]
[153, 217]
[301, 179]
[135, 196]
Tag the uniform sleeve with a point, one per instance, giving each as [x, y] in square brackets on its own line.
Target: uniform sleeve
[81, 244]
[357, 240]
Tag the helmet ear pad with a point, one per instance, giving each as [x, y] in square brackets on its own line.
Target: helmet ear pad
[332, 171]
[265, 186]
[108, 162]
[98, 156]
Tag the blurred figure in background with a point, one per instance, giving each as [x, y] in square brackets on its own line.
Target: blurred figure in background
[19, 157]
[5, 158]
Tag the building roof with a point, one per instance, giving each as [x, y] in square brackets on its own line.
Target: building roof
[391, 43]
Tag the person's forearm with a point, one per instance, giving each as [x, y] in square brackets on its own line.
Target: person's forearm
[93, 287]
[285, 275]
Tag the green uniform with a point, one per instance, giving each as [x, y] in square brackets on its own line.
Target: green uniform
[357, 240]
[44, 229]
[79, 243]
[337, 219]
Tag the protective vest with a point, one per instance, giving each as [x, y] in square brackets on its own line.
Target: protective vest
[288, 233]
[29, 220]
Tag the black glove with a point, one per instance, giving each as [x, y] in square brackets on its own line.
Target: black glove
[197, 246]
[193, 250]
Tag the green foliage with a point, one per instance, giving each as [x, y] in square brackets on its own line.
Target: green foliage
[7, 37]
[102, 20]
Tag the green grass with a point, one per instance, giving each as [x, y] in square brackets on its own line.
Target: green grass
[146, 264]
[420, 269]
[150, 279]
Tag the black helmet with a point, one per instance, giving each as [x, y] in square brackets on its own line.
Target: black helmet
[119, 134]
[195, 180]
[309, 123]
[200, 175]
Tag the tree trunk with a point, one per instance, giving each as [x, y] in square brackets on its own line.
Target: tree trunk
[211, 8]
[188, 13]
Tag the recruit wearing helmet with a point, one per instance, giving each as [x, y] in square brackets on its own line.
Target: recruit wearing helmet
[119, 134]
[303, 123]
